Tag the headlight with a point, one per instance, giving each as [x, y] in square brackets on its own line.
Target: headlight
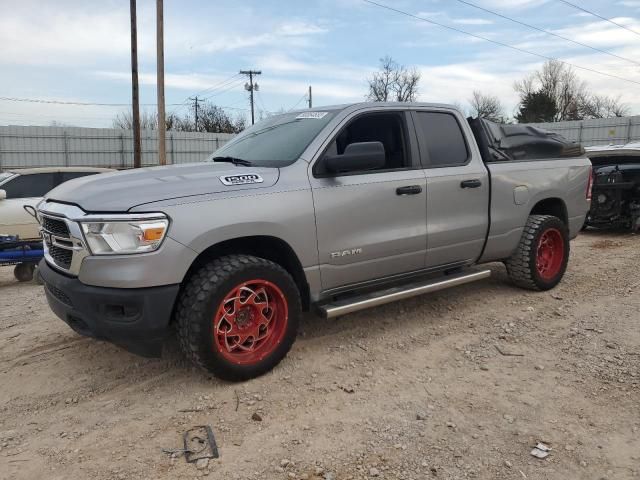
[122, 236]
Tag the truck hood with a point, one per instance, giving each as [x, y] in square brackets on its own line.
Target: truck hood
[121, 191]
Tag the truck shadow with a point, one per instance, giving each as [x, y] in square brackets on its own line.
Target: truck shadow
[427, 307]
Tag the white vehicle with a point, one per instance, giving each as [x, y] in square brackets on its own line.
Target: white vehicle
[27, 186]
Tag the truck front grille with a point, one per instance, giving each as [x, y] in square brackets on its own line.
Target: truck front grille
[64, 247]
[61, 256]
[55, 227]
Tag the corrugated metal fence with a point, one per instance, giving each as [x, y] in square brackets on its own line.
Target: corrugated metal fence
[98, 147]
[599, 131]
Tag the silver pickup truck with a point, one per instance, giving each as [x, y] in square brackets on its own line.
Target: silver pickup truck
[334, 209]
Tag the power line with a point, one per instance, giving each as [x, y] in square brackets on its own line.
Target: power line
[599, 16]
[304, 97]
[546, 31]
[83, 104]
[86, 104]
[220, 84]
[235, 84]
[506, 45]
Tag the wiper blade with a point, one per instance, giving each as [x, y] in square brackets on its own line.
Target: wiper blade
[234, 160]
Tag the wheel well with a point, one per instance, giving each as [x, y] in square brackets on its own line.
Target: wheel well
[552, 206]
[271, 248]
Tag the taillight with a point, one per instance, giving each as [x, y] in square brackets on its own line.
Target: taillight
[590, 184]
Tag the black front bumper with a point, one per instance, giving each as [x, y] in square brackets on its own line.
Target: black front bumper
[137, 319]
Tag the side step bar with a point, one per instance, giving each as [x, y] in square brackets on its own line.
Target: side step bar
[343, 307]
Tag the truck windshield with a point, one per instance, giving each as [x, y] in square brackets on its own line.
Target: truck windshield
[277, 141]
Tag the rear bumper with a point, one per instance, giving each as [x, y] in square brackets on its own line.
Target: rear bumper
[136, 319]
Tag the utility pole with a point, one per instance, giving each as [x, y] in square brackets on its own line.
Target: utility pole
[162, 125]
[195, 107]
[135, 94]
[310, 98]
[251, 87]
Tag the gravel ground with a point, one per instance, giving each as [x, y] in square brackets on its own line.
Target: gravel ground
[459, 384]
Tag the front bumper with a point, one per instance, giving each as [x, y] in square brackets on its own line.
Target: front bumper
[136, 319]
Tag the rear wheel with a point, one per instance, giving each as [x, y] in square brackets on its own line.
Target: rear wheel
[541, 258]
[238, 316]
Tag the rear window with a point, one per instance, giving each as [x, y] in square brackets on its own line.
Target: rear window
[65, 176]
[441, 136]
[25, 186]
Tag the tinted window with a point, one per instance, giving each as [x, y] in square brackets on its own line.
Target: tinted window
[277, 141]
[386, 128]
[24, 186]
[5, 176]
[64, 176]
[443, 139]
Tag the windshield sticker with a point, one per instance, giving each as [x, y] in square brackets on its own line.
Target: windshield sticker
[312, 115]
[241, 179]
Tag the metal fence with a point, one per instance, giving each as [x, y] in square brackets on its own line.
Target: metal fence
[599, 131]
[22, 147]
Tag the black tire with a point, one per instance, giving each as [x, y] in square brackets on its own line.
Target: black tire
[23, 272]
[522, 266]
[201, 299]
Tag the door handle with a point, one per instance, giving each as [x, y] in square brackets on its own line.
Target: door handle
[409, 190]
[475, 183]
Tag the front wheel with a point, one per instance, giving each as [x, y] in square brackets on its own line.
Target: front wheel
[541, 258]
[238, 316]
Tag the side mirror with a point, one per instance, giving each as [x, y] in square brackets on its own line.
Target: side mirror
[357, 157]
[3, 194]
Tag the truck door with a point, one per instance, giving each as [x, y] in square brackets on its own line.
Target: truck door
[457, 188]
[370, 224]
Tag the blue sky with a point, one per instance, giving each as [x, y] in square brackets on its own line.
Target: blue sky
[79, 51]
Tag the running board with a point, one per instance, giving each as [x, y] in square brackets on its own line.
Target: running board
[350, 305]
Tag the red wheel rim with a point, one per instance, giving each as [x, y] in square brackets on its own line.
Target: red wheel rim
[550, 254]
[250, 322]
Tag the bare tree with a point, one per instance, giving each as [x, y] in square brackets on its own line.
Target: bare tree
[602, 106]
[393, 82]
[570, 95]
[486, 106]
[124, 120]
[211, 118]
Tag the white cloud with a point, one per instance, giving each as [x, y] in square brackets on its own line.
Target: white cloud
[512, 4]
[53, 36]
[629, 3]
[472, 21]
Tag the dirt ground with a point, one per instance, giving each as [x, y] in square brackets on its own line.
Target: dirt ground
[459, 384]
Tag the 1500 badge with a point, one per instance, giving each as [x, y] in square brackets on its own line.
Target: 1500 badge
[241, 179]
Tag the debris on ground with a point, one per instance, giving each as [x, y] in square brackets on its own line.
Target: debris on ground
[200, 444]
[256, 417]
[540, 450]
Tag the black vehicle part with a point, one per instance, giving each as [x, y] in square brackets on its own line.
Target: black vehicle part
[616, 192]
[502, 142]
[136, 319]
[23, 272]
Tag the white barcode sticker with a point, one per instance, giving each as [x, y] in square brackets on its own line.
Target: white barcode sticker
[312, 115]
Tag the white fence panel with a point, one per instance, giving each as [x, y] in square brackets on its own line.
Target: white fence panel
[599, 131]
[23, 147]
